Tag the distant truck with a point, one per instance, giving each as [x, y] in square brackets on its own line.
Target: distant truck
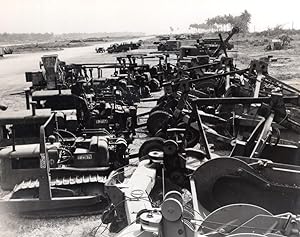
[124, 47]
[5, 50]
[169, 45]
[282, 42]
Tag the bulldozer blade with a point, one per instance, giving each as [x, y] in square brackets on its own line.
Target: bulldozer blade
[223, 181]
[56, 207]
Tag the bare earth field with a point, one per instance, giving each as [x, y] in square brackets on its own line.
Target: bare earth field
[287, 66]
[12, 83]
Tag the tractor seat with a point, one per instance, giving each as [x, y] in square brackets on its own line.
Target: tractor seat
[99, 146]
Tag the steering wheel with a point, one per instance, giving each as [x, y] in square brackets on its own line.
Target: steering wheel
[59, 132]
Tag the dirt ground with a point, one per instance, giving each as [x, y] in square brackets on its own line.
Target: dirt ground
[286, 67]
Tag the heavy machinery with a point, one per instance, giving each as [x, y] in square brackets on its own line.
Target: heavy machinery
[212, 47]
[21, 127]
[3, 107]
[148, 78]
[123, 47]
[79, 113]
[1, 52]
[242, 195]
[215, 46]
[225, 118]
[54, 85]
[228, 196]
[5, 50]
[100, 50]
[90, 104]
[62, 174]
[80, 82]
[169, 45]
[52, 74]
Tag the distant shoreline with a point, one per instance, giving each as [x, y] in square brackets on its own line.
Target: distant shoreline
[30, 47]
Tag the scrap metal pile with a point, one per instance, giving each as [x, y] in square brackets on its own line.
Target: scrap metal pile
[222, 159]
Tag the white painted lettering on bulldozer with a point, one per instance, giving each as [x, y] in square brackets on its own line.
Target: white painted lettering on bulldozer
[129, 123]
[85, 157]
[101, 121]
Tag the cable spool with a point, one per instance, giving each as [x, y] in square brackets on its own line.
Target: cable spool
[156, 156]
[174, 194]
[172, 207]
[121, 144]
[150, 221]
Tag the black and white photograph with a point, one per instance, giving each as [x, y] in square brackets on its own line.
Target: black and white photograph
[149, 118]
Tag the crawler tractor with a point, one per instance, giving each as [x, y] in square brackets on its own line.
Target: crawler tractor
[62, 174]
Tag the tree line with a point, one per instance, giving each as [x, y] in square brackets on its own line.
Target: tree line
[47, 37]
[25, 37]
[221, 23]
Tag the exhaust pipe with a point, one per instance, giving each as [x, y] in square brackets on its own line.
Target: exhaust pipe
[27, 95]
[33, 107]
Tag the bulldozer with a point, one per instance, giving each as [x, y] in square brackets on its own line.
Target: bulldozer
[62, 175]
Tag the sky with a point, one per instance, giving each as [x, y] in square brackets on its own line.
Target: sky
[148, 16]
